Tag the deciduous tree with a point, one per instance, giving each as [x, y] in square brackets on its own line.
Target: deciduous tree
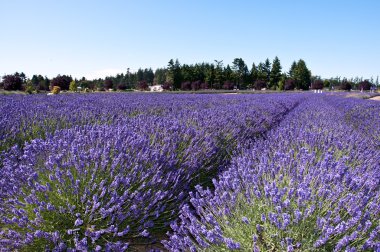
[62, 81]
[12, 82]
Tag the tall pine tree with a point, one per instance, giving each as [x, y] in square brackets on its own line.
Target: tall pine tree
[302, 75]
[174, 75]
[292, 70]
[275, 74]
[267, 69]
[254, 73]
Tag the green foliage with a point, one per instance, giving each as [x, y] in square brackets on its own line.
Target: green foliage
[281, 84]
[262, 72]
[73, 86]
[254, 73]
[275, 74]
[301, 74]
[62, 81]
[326, 84]
[219, 75]
[240, 72]
[174, 75]
[292, 70]
[268, 237]
[160, 76]
[29, 88]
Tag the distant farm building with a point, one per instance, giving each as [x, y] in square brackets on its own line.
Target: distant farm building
[156, 88]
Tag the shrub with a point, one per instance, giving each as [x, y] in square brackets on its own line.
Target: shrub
[186, 85]
[204, 85]
[365, 85]
[29, 89]
[290, 84]
[122, 86]
[56, 90]
[326, 83]
[142, 85]
[260, 84]
[167, 86]
[317, 84]
[345, 85]
[196, 85]
[228, 85]
[108, 84]
[73, 86]
[281, 85]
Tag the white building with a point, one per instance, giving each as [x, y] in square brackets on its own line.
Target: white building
[156, 88]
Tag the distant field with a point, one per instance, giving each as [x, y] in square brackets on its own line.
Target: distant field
[137, 171]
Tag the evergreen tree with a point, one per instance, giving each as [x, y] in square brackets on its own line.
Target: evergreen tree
[254, 73]
[46, 83]
[219, 75]
[281, 83]
[240, 72]
[210, 75]
[275, 73]
[174, 74]
[261, 72]
[302, 75]
[228, 73]
[35, 80]
[148, 75]
[267, 69]
[140, 75]
[292, 70]
[159, 76]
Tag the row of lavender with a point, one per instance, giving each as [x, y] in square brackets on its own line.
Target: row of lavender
[24, 118]
[95, 172]
[313, 184]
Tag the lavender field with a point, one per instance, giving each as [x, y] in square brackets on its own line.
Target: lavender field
[189, 172]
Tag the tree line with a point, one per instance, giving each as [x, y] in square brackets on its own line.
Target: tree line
[177, 76]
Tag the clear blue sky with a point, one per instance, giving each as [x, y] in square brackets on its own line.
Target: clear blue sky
[95, 38]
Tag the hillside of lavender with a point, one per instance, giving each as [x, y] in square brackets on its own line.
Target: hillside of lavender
[189, 172]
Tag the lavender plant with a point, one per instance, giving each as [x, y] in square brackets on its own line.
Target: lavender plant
[311, 185]
[113, 181]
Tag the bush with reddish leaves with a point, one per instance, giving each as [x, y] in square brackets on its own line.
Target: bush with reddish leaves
[317, 84]
[204, 85]
[345, 85]
[143, 86]
[108, 84]
[186, 85]
[365, 85]
[228, 85]
[290, 84]
[196, 85]
[167, 86]
[62, 81]
[12, 82]
[259, 84]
